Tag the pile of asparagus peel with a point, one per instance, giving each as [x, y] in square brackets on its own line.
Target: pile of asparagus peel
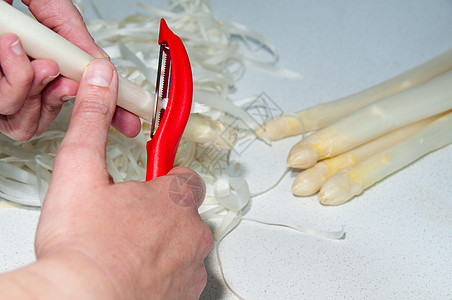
[353, 142]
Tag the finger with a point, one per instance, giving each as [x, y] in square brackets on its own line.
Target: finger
[126, 122]
[65, 19]
[186, 188]
[18, 74]
[45, 71]
[24, 123]
[83, 149]
[54, 96]
[60, 90]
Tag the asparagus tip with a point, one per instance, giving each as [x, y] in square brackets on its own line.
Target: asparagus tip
[338, 189]
[310, 181]
[262, 134]
[302, 156]
[280, 128]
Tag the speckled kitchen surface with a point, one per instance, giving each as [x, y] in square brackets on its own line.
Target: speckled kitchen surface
[398, 233]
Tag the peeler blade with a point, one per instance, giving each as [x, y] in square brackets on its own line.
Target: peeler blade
[162, 87]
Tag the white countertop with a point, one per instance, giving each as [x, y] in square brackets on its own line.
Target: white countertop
[398, 241]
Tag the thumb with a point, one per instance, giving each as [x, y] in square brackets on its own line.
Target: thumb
[83, 148]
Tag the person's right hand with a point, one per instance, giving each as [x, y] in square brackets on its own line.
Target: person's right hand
[132, 240]
[32, 92]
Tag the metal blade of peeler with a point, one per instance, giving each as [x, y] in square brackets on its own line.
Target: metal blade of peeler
[162, 87]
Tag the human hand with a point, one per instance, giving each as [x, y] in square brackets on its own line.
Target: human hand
[133, 240]
[32, 92]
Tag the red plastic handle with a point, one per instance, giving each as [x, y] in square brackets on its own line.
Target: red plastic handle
[161, 149]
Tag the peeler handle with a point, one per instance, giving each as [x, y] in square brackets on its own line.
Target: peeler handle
[39, 42]
[161, 149]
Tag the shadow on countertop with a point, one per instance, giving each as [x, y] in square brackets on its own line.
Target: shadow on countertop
[215, 288]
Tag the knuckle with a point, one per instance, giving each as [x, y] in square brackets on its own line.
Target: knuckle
[206, 240]
[26, 136]
[22, 134]
[52, 109]
[203, 239]
[91, 105]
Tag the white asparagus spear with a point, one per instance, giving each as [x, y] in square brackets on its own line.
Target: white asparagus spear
[311, 180]
[206, 131]
[371, 121]
[321, 115]
[346, 184]
[40, 42]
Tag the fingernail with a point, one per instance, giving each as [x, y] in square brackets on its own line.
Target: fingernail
[48, 79]
[16, 47]
[67, 98]
[99, 73]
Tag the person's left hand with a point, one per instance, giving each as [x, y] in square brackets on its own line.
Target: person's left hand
[31, 91]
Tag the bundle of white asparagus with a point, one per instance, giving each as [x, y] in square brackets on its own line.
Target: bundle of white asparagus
[358, 140]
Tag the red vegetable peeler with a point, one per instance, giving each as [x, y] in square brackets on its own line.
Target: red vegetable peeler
[172, 105]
